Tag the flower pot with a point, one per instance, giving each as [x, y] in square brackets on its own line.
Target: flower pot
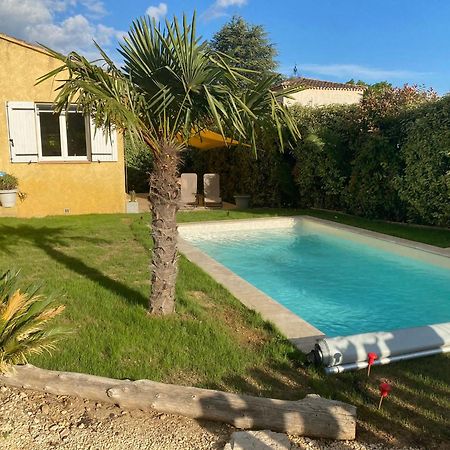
[8, 198]
[242, 201]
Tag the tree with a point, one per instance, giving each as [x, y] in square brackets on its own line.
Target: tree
[171, 86]
[248, 45]
[357, 83]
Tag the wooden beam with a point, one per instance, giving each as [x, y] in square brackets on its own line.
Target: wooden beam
[312, 416]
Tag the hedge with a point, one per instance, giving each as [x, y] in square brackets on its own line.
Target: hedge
[386, 158]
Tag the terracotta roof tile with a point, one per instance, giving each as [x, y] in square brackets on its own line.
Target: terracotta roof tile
[320, 84]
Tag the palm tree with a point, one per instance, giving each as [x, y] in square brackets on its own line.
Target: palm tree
[171, 86]
[24, 322]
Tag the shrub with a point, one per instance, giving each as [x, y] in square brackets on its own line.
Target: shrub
[353, 158]
[386, 158]
[8, 182]
[25, 322]
[324, 155]
[424, 185]
[371, 190]
[139, 163]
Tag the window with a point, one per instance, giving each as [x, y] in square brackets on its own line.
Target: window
[61, 136]
[76, 134]
[37, 134]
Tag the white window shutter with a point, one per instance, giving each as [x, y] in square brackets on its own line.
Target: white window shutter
[103, 147]
[22, 132]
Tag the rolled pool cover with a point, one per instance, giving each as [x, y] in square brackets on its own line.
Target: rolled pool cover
[344, 353]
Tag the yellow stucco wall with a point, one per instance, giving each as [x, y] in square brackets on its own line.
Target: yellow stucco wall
[322, 97]
[51, 188]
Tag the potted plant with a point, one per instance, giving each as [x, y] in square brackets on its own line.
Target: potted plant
[242, 201]
[8, 190]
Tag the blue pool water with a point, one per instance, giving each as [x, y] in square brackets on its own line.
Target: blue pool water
[338, 285]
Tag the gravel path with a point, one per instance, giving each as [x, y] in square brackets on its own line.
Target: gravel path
[35, 421]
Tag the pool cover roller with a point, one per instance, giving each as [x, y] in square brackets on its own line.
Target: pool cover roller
[344, 353]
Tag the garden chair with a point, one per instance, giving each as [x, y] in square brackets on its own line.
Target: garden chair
[211, 189]
[188, 183]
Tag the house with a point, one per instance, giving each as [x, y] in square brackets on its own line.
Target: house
[321, 93]
[63, 164]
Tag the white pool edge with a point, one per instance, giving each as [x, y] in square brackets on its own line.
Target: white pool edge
[297, 330]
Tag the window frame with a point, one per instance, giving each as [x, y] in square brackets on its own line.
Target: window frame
[63, 135]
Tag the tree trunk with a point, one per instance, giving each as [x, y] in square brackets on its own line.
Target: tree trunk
[164, 197]
[313, 416]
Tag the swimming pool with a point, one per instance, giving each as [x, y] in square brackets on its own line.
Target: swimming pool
[339, 281]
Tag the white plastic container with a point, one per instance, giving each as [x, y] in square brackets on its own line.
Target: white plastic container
[8, 198]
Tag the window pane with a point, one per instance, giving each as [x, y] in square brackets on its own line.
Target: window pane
[76, 134]
[50, 135]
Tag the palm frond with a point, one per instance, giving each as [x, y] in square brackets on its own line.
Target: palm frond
[25, 319]
[171, 85]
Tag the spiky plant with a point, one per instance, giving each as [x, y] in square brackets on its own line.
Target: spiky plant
[25, 327]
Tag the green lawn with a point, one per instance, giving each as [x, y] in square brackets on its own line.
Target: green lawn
[99, 264]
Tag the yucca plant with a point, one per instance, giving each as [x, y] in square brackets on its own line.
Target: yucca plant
[25, 322]
[172, 85]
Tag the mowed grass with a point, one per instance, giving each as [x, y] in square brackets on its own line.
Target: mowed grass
[99, 264]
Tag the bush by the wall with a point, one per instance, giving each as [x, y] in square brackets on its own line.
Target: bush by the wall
[386, 158]
[139, 162]
[424, 185]
[324, 154]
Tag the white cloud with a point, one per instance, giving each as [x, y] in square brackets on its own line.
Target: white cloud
[35, 21]
[95, 8]
[356, 71]
[157, 12]
[227, 3]
[219, 8]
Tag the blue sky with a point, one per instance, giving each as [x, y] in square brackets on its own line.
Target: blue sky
[396, 40]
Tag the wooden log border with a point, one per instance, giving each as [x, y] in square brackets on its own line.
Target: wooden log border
[312, 416]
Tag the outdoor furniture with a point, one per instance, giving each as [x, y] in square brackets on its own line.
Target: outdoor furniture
[188, 183]
[211, 189]
[200, 199]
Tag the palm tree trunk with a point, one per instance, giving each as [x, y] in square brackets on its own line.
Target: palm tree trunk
[164, 197]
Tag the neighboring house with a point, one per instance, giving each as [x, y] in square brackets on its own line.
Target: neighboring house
[64, 166]
[321, 93]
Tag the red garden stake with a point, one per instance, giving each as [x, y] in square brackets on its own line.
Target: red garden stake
[371, 357]
[385, 388]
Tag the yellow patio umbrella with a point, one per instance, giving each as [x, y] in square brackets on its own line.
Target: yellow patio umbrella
[206, 140]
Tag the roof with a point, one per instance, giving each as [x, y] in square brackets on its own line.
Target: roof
[22, 43]
[311, 83]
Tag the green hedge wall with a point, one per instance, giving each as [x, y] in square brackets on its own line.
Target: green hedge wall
[395, 166]
[387, 158]
[424, 184]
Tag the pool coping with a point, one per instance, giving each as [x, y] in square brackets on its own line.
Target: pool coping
[297, 330]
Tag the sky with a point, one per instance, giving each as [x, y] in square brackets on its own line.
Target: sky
[401, 41]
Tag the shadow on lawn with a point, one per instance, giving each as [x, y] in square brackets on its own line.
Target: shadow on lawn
[51, 241]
